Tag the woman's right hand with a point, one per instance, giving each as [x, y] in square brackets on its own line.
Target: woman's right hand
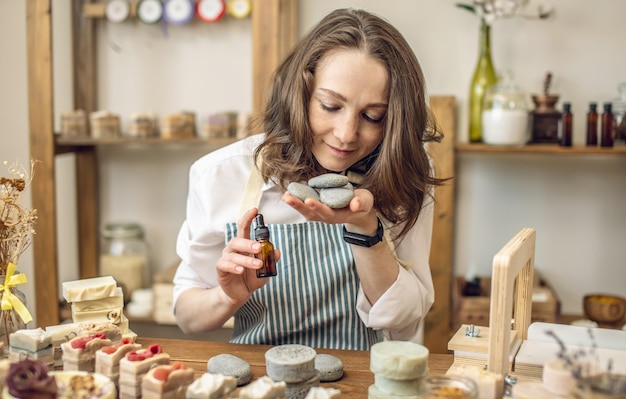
[236, 269]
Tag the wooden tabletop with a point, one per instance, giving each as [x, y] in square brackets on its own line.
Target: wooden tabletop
[356, 379]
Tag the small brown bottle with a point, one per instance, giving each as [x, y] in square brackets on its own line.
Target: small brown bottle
[606, 140]
[262, 235]
[566, 126]
[592, 125]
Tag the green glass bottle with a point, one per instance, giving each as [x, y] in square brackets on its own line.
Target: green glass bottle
[484, 77]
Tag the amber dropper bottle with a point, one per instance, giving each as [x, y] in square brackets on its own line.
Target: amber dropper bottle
[592, 125]
[262, 235]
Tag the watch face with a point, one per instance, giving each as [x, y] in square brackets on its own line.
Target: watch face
[149, 11]
[117, 10]
[178, 12]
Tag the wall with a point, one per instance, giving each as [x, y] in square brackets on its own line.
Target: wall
[575, 203]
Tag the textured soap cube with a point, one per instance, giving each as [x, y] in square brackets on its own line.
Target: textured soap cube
[89, 289]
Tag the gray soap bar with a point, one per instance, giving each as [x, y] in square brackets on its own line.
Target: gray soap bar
[329, 366]
[232, 366]
[328, 180]
[302, 191]
[336, 197]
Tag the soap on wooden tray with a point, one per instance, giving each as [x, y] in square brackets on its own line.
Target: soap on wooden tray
[89, 289]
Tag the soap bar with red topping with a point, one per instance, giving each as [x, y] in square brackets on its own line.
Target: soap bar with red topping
[169, 380]
[80, 353]
[108, 358]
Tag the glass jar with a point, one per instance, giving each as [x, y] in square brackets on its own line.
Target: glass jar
[10, 320]
[506, 114]
[451, 387]
[124, 256]
[619, 113]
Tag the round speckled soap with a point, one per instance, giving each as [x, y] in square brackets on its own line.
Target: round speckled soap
[290, 363]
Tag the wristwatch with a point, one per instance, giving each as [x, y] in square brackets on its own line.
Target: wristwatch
[363, 240]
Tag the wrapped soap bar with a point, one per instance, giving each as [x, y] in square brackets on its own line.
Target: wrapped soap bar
[104, 124]
[89, 289]
[74, 123]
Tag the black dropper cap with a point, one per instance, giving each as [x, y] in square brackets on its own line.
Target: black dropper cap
[260, 230]
[567, 107]
[593, 107]
[608, 107]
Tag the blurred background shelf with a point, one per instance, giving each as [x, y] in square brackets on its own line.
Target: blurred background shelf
[540, 149]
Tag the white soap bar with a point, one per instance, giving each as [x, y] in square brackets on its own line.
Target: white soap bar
[62, 332]
[263, 388]
[399, 360]
[211, 386]
[110, 315]
[89, 289]
[31, 340]
[323, 393]
[112, 302]
[290, 363]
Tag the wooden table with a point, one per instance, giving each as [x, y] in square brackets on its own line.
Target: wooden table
[356, 379]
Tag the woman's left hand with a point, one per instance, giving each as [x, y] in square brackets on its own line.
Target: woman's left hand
[359, 212]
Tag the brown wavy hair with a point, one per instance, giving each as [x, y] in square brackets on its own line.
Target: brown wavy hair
[398, 173]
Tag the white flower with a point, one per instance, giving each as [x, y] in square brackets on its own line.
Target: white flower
[491, 10]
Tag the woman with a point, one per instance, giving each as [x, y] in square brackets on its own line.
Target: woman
[349, 99]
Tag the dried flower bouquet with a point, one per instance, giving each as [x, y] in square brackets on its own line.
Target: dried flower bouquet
[16, 230]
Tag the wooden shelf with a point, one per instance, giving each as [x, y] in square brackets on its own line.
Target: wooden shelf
[540, 149]
[125, 141]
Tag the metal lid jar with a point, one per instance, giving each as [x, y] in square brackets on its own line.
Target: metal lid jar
[506, 114]
[124, 255]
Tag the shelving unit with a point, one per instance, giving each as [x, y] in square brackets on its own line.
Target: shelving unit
[274, 30]
[540, 149]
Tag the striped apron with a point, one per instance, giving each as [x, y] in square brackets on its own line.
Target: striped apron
[312, 300]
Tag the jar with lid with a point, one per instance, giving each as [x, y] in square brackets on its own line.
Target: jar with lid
[124, 255]
[619, 114]
[506, 114]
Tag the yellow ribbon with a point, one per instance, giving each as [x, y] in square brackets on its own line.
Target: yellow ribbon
[9, 300]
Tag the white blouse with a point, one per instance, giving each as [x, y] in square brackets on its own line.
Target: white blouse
[217, 182]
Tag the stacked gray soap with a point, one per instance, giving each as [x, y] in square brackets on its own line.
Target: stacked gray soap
[400, 370]
[331, 189]
[295, 365]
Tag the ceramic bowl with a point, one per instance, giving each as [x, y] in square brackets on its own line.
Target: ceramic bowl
[105, 388]
[604, 308]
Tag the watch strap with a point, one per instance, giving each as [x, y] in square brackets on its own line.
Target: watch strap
[363, 240]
